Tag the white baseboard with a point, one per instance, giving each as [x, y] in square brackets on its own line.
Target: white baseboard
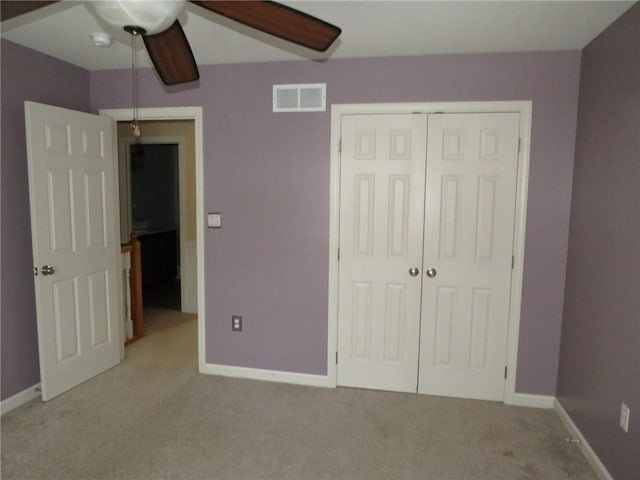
[518, 399]
[19, 398]
[590, 455]
[267, 375]
[530, 400]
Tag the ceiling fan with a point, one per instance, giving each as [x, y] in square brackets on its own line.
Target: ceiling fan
[165, 39]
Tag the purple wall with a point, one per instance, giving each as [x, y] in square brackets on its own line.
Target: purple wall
[26, 75]
[600, 348]
[269, 176]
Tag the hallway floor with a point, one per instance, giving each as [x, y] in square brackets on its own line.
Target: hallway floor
[171, 340]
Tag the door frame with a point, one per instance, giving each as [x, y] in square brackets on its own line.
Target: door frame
[181, 113]
[524, 108]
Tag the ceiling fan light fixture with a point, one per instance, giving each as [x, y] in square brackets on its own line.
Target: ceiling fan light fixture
[153, 16]
[165, 40]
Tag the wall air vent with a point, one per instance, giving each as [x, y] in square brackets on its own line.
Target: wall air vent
[305, 97]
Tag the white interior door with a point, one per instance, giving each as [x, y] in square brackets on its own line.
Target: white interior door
[76, 247]
[472, 162]
[381, 218]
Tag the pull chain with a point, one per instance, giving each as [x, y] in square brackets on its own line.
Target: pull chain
[135, 126]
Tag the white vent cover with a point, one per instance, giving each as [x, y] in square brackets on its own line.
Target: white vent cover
[304, 97]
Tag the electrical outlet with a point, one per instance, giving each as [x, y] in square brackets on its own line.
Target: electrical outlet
[236, 323]
[625, 413]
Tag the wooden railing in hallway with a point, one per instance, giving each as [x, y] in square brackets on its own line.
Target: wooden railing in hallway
[135, 289]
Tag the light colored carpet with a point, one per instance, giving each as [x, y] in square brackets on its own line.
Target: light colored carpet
[171, 340]
[143, 421]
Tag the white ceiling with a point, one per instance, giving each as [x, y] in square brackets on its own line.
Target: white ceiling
[369, 29]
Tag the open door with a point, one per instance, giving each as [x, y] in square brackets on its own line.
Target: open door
[76, 248]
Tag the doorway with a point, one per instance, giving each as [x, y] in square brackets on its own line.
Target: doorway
[155, 219]
[163, 165]
[402, 328]
[158, 206]
[163, 126]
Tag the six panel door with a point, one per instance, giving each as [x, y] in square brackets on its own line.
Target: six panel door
[457, 226]
[382, 191]
[76, 246]
[472, 162]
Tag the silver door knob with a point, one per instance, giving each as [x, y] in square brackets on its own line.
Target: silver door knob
[413, 271]
[47, 270]
[431, 272]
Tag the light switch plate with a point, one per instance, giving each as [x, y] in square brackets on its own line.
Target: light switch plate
[214, 220]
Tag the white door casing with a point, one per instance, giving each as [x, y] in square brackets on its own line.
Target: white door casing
[382, 187]
[472, 162]
[74, 230]
[195, 114]
[522, 108]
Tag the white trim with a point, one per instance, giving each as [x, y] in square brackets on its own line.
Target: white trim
[189, 282]
[585, 448]
[195, 114]
[19, 398]
[118, 222]
[519, 236]
[532, 401]
[267, 375]
[524, 108]
[124, 183]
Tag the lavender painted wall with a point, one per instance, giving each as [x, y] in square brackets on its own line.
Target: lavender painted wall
[600, 349]
[269, 176]
[26, 75]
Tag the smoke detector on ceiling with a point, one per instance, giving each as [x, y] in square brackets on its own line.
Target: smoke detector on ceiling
[101, 39]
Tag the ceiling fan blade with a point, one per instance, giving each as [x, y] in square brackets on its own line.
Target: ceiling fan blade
[11, 8]
[171, 54]
[278, 20]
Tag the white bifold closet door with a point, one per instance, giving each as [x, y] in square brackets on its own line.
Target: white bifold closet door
[468, 242]
[425, 260]
[381, 219]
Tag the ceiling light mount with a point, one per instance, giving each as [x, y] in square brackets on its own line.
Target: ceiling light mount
[134, 30]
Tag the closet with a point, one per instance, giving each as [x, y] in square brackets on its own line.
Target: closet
[426, 233]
